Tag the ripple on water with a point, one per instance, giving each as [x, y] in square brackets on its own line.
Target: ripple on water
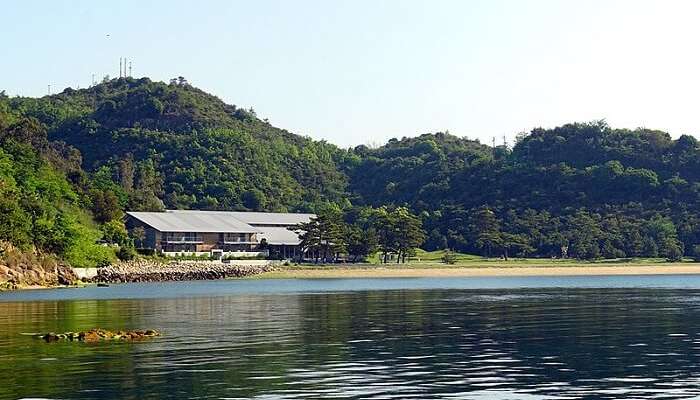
[393, 344]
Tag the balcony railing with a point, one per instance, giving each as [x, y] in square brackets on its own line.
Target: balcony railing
[182, 240]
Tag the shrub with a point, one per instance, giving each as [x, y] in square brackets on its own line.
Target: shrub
[449, 257]
[84, 252]
[126, 253]
[672, 250]
[146, 252]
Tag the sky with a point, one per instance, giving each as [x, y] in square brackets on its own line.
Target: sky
[362, 72]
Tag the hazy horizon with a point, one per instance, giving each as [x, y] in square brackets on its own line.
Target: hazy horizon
[358, 72]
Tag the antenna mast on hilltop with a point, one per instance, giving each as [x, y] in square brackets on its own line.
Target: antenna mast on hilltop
[120, 67]
[129, 69]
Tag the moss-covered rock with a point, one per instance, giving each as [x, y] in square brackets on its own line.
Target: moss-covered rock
[97, 334]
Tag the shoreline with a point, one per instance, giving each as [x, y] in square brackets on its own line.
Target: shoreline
[417, 271]
[183, 271]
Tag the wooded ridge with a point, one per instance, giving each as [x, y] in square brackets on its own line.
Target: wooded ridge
[71, 163]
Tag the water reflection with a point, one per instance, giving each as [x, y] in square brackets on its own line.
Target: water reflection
[395, 344]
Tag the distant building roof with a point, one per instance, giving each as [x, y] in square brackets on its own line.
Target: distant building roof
[226, 221]
[278, 235]
[192, 222]
[255, 218]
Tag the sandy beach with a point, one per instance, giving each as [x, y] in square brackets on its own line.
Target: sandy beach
[301, 272]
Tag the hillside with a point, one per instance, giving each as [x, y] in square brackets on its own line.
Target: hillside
[595, 190]
[41, 212]
[585, 190]
[189, 147]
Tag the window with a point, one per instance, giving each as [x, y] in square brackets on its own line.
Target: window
[235, 237]
[183, 237]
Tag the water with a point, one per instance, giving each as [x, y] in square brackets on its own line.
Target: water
[456, 338]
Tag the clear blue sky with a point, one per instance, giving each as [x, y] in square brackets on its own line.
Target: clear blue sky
[354, 72]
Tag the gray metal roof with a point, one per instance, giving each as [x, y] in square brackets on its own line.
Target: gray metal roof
[278, 235]
[255, 218]
[193, 222]
[223, 221]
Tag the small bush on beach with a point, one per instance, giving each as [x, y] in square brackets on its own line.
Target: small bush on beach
[449, 257]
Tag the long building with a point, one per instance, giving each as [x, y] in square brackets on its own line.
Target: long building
[218, 233]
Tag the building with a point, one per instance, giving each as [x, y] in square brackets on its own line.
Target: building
[233, 233]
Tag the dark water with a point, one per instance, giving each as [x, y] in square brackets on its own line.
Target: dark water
[457, 338]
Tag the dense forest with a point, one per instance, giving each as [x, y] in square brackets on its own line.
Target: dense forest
[71, 163]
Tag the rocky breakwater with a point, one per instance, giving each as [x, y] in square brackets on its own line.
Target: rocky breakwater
[156, 271]
[26, 270]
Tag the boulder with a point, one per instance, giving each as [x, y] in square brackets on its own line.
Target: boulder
[65, 275]
[50, 337]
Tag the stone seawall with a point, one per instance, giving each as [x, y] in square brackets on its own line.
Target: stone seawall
[157, 271]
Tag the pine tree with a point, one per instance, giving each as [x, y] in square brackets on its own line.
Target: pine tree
[485, 229]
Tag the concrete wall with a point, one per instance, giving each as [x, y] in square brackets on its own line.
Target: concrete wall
[85, 273]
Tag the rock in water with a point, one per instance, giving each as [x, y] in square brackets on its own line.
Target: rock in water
[50, 337]
[97, 334]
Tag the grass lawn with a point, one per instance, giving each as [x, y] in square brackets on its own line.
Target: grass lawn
[434, 258]
[426, 264]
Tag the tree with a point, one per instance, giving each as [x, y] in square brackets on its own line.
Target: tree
[671, 249]
[485, 230]
[105, 206]
[583, 232]
[361, 242]
[138, 235]
[253, 199]
[664, 234]
[148, 187]
[610, 251]
[635, 243]
[115, 232]
[323, 235]
[15, 225]
[398, 232]
[384, 224]
[127, 172]
[650, 249]
[409, 233]
[514, 244]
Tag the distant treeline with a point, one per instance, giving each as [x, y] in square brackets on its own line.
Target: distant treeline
[71, 163]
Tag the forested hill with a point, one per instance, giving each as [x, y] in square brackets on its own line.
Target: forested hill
[588, 188]
[188, 147]
[585, 189]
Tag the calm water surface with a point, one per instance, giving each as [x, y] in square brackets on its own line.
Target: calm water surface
[456, 338]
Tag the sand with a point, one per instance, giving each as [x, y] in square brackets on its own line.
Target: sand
[416, 272]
